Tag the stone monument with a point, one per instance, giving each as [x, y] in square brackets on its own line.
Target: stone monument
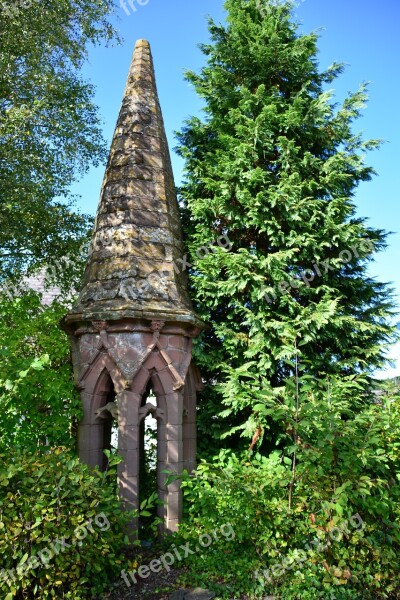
[132, 327]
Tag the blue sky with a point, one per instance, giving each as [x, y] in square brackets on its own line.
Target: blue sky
[361, 33]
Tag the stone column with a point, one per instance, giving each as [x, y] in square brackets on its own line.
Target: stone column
[90, 434]
[174, 458]
[189, 429]
[128, 447]
[161, 462]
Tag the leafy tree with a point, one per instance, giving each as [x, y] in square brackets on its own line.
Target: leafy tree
[275, 164]
[49, 127]
[39, 405]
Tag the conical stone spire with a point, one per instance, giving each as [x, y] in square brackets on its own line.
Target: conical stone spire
[134, 267]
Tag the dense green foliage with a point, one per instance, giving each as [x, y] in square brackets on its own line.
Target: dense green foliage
[297, 326]
[62, 528]
[49, 127]
[319, 519]
[311, 510]
[50, 132]
[39, 405]
[274, 165]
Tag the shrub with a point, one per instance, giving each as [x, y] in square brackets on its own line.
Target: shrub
[61, 525]
[317, 518]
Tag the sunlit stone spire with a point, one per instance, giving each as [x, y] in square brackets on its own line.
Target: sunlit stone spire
[134, 267]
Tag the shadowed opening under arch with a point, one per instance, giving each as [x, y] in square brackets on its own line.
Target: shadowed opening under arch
[104, 398]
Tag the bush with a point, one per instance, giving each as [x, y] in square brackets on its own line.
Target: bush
[61, 525]
[317, 518]
[39, 405]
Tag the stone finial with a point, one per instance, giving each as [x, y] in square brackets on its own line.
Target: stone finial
[132, 270]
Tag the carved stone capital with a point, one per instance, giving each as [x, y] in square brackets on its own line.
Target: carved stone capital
[100, 325]
[156, 327]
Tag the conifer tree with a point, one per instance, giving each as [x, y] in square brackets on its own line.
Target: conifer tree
[274, 166]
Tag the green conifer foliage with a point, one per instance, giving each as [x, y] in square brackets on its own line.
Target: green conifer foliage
[274, 165]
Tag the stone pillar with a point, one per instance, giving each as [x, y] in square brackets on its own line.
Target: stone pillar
[189, 430]
[93, 432]
[128, 448]
[90, 444]
[161, 462]
[174, 462]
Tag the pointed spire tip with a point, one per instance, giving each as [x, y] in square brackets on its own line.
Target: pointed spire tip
[142, 44]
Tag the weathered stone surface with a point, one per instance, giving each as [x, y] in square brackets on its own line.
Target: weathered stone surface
[133, 324]
[179, 595]
[138, 216]
[160, 235]
[199, 594]
[104, 270]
